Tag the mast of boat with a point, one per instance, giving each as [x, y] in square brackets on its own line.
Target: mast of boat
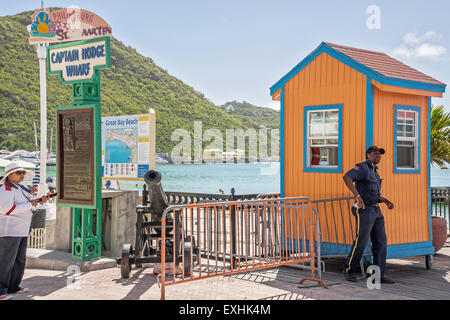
[35, 136]
[51, 141]
[36, 143]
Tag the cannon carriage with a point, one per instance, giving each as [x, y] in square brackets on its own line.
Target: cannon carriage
[147, 248]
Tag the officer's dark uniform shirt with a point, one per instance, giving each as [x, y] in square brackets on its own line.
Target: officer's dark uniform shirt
[368, 182]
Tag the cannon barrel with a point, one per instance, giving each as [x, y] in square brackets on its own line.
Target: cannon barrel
[158, 199]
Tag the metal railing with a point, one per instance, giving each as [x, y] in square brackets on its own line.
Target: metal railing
[440, 202]
[228, 237]
[337, 222]
[36, 238]
[175, 198]
[337, 226]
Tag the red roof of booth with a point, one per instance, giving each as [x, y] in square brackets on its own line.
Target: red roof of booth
[384, 64]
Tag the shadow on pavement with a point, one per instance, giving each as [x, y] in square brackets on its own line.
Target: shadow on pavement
[140, 285]
[42, 286]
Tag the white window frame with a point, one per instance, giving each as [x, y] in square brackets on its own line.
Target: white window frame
[309, 139]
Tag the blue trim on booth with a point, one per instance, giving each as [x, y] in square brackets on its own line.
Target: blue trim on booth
[282, 168]
[410, 249]
[406, 171]
[324, 48]
[430, 208]
[413, 84]
[369, 113]
[339, 249]
[305, 139]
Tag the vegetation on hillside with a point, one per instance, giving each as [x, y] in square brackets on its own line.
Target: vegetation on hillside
[132, 86]
[256, 116]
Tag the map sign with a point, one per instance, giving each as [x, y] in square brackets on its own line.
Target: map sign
[126, 146]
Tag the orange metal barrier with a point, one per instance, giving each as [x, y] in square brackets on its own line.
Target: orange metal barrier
[205, 240]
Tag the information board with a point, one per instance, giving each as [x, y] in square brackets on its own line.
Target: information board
[126, 146]
[76, 179]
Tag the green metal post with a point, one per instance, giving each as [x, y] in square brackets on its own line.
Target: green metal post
[87, 219]
[87, 237]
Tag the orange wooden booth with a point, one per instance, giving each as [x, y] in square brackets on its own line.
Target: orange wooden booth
[336, 103]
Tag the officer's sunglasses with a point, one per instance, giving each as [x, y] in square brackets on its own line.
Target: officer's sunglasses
[20, 173]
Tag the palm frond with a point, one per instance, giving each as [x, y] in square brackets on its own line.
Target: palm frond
[440, 136]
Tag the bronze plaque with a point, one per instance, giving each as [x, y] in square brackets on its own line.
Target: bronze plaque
[76, 180]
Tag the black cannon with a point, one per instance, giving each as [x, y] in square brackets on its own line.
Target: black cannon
[148, 246]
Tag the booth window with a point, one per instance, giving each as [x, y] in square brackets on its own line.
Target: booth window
[407, 139]
[323, 127]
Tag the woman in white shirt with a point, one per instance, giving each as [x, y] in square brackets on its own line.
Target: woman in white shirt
[15, 220]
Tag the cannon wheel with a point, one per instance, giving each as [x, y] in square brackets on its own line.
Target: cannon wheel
[125, 265]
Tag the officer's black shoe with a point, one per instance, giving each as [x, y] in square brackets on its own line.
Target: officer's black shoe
[386, 280]
[350, 276]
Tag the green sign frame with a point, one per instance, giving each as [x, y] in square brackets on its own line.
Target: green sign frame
[97, 184]
[86, 95]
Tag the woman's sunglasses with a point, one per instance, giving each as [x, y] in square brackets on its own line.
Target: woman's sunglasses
[20, 173]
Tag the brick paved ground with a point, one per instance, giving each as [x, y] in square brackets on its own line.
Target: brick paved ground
[413, 282]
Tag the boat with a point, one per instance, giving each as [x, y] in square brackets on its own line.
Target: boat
[51, 159]
[4, 153]
[160, 160]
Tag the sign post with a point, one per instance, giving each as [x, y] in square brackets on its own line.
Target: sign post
[78, 63]
[41, 50]
[79, 139]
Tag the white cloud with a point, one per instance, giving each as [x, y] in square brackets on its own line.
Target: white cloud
[411, 38]
[402, 51]
[420, 46]
[427, 50]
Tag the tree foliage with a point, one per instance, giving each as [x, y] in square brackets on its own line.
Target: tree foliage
[132, 85]
[255, 116]
[440, 136]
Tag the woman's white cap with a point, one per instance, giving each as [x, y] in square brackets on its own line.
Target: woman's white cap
[13, 167]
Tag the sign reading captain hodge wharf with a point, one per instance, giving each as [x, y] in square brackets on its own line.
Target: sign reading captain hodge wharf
[77, 61]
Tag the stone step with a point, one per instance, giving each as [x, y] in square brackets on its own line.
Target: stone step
[59, 260]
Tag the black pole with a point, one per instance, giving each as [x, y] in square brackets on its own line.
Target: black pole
[233, 228]
[145, 196]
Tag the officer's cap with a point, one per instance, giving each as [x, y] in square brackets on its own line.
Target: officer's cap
[375, 148]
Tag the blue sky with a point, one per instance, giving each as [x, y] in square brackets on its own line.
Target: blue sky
[235, 50]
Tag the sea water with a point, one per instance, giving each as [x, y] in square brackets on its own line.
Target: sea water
[245, 178]
[118, 152]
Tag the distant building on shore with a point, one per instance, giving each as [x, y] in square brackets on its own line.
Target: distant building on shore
[229, 108]
[212, 156]
[4, 153]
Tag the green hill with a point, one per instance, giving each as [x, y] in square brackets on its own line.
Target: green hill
[255, 116]
[132, 86]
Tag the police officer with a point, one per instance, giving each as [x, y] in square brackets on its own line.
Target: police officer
[369, 219]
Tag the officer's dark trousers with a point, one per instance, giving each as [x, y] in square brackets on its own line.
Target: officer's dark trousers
[369, 223]
[13, 252]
